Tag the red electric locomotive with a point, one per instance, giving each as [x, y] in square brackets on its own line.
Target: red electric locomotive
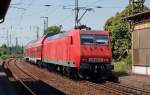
[83, 53]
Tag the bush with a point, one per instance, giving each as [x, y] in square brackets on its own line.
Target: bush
[129, 59]
[124, 66]
[3, 57]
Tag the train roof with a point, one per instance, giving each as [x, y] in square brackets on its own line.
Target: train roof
[34, 43]
[94, 32]
[58, 35]
[61, 34]
[64, 33]
[38, 42]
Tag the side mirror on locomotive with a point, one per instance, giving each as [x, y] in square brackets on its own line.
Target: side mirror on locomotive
[4, 4]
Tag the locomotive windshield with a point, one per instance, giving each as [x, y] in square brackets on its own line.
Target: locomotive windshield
[87, 39]
[101, 39]
[94, 39]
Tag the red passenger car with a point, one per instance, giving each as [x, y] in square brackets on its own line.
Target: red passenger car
[84, 53]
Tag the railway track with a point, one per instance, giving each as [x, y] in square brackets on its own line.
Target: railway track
[20, 76]
[109, 87]
[30, 82]
[127, 89]
[106, 88]
[102, 91]
[118, 89]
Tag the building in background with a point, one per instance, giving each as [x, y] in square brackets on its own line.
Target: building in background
[140, 31]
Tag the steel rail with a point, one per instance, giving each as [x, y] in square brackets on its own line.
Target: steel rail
[118, 89]
[106, 88]
[21, 81]
[114, 88]
[126, 88]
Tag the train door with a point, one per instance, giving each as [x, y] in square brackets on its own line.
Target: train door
[67, 49]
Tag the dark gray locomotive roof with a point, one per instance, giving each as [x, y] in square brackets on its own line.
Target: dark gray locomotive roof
[57, 35]
[62, 34]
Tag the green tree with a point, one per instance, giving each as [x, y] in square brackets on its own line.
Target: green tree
[4, 49]
[118, 27]
[52, 29]
[4, 46]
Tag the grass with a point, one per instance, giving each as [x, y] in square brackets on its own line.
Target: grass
[122, 67]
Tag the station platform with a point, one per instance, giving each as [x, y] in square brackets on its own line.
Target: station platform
[5, 84]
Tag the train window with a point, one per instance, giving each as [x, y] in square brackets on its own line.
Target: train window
[87, 39]
[101, 39]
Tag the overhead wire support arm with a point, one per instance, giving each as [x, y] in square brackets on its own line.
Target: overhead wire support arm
[65, 7]
[77, 9]
[17, 8]
[86, 10]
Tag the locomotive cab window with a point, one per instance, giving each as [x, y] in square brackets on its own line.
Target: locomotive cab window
[87, 39]
[101, 39]
[94, 39]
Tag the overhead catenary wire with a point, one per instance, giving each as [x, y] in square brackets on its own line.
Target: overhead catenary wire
[66, 18]
[18, 3]
[55, 10]
[95, 2]
[17, 8]
[26, 9]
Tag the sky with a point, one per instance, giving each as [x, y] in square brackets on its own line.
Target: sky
[23, 17]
